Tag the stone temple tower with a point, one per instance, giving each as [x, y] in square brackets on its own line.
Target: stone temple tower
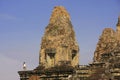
[59, 51]
[58, 44]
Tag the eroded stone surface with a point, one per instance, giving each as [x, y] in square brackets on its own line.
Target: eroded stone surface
[58, 43]
[108, 41]
[105, 44]
[34, 77]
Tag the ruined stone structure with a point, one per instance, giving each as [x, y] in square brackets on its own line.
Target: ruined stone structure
[59, 53]
[58, 43]
[107, 41]
[107, 53]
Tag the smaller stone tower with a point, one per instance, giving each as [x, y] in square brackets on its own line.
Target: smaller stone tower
[107, 41]
[105, 44]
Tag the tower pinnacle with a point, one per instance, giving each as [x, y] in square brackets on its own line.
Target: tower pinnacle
[59, 14]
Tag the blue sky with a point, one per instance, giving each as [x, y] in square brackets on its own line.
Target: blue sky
[22, 24]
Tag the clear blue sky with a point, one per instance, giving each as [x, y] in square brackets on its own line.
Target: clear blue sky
[22, 24]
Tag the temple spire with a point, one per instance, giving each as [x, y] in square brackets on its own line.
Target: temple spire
[59, 15]
[59, 45]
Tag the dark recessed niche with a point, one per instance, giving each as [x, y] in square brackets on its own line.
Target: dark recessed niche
[50, 52]
[74, 52]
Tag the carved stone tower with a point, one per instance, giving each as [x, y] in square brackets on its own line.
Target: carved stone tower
[107, 41]
[58, 43]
